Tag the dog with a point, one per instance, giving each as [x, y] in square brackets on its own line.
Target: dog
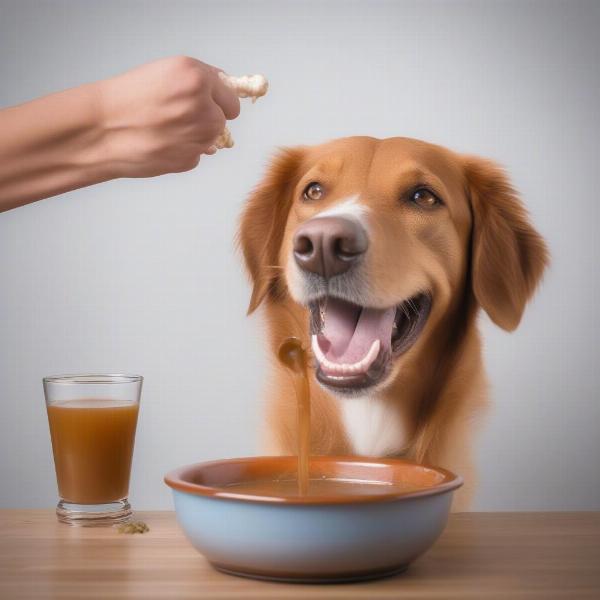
[378, 255]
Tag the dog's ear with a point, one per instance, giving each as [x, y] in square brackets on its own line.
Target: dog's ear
[263, 222]
[508, 254]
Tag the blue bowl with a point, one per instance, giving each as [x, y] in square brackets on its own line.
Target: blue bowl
[311, 538]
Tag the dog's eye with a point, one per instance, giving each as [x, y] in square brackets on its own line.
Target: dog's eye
[424, 198]
[313, 191]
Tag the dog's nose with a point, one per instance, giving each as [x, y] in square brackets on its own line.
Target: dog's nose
[329, 246]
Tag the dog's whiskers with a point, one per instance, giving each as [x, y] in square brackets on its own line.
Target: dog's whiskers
[412, 305]
[404, 310]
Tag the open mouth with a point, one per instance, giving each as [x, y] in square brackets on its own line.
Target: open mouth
[354, 345]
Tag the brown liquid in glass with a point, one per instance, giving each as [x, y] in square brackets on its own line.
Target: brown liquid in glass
[92, 443]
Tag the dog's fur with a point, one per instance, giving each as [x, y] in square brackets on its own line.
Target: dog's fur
[478, 250]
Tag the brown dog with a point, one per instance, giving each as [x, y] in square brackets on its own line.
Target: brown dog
[378, 255]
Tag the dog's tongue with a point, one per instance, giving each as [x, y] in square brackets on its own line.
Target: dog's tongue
[349, 330]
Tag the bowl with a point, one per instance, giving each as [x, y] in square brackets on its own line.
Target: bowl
[311, 538]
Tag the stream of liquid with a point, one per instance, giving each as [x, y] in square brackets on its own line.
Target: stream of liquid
[293, 356]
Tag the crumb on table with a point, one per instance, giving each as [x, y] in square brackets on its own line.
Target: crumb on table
[132, 527]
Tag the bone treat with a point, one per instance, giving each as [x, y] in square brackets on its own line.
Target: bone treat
[246, 86]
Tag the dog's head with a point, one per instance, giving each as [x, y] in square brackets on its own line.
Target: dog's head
[379, 239]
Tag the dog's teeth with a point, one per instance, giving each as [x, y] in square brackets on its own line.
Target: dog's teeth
[373, 351]
[345, 368]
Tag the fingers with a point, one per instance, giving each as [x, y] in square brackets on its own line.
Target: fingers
[226, 98]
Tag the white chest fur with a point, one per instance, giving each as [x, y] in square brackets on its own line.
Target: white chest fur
[373, 427]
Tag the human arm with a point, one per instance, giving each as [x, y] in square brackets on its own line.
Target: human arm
[155, 119]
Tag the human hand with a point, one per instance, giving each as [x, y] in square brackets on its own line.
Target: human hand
[162, 116]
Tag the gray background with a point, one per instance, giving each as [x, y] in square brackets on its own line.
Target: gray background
[141, 275]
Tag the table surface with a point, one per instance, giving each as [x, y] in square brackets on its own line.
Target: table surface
[480, 555]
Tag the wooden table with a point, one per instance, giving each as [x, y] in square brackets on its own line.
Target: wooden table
[480, 555]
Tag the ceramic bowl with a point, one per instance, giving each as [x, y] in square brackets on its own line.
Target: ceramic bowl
[317, 539]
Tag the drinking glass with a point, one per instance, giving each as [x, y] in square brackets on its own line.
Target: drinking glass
[92, 422]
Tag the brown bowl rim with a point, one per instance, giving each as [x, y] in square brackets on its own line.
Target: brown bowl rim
[174, 479]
